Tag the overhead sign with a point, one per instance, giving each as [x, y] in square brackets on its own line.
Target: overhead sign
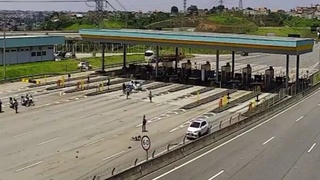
[145, 143]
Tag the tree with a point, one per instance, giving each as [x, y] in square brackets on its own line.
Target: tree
[193, 9]
[174, 10]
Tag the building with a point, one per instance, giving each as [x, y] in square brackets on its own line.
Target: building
[25, 49]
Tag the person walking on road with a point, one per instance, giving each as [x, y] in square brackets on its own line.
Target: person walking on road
[150, 96]
[124, 88]
[0, 106]
[144, 124]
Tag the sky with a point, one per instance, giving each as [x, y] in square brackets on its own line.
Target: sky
[161, 5]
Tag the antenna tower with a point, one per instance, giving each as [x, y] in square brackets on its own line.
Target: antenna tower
[221, 2]
[184, 5]
[240, 5]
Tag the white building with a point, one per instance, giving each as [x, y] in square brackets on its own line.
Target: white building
[26, 49]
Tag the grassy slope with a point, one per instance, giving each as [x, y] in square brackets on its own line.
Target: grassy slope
[59, 67]
[283, 31]
[106, 24]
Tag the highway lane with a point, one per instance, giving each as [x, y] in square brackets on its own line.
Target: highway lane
[279, 148]
[70, 139]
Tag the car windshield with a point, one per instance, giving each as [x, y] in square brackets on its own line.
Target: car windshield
[195, 124]
[148, 54]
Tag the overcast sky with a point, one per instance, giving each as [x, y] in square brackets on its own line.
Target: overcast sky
[163, 5]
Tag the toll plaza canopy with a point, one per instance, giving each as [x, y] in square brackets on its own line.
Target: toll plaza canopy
[232, 42]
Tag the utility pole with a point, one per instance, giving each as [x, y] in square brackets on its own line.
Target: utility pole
[4, 47]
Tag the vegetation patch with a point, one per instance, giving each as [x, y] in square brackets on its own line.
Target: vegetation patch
[64, 66]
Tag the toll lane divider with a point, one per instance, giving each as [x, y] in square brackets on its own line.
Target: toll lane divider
[75, 84]
[172, 156]
[236, 102]
[96, 86]
[120, 88]
[208, 99]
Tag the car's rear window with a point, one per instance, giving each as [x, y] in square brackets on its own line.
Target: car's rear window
[195, 124]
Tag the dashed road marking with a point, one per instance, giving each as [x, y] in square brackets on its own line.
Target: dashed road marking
[29, 166]
[93, 142]
[113, 155]
[23, 134]
[268, 140]
[216, 175]
[314, 144]
[47, 141]
[299, 118]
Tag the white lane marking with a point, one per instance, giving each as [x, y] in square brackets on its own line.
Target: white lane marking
[268, 140]
[113, 155]
[93, 142]
[26, 133]
[31, 165]
[218, 174]
[232, 139]
[318, 105]
[59, 111]
[314, 144]
[299, 118]
[50, 140]
[86, 116]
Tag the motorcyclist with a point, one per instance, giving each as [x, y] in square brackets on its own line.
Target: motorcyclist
[23, 101]
[31, 100]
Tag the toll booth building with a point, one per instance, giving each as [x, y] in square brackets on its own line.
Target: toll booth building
[25, 49]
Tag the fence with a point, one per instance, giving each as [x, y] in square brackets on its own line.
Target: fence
[108, 170]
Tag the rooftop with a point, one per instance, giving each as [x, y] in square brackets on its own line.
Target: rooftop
[25, 41]
[235, 42]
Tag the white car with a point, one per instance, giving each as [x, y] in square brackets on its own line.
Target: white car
[198, 128]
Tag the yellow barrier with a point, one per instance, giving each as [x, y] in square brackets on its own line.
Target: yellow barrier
[25, 80]
[224, 100]
[38, 82]
[82, 84]
[198, 96]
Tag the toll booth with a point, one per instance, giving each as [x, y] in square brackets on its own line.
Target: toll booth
[186, 69]
[226, 73]
[205, 68]
[168, 67]
[246, 75]
[269, 78]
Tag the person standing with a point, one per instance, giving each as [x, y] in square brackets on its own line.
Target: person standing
[0, 106]
[144, 124]
[150, 96]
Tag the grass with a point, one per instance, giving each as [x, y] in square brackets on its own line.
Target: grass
[227, 20]
[64, 66]
[105, 24]
[284, 31]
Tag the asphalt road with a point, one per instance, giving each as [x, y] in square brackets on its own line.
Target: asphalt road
[67, 136]
[285, 146]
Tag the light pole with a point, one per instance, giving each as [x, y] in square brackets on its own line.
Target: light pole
[4, 48]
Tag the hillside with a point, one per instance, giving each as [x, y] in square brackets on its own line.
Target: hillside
[226, 24]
